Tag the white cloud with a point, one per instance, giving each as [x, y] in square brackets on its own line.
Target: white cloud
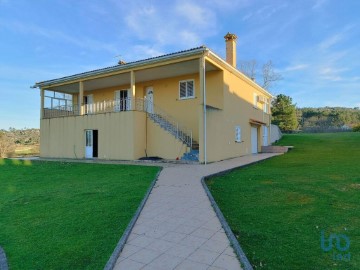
[331, 41]
[146, 51]
[182, 25]
[195, 15]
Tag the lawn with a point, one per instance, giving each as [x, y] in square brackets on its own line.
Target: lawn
[278, 208]
[57, 215]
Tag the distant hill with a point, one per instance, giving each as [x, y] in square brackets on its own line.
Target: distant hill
[19, 142]
[328, 118]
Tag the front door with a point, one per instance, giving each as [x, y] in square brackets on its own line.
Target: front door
[149, 104]
[91, 143]
[254, 140]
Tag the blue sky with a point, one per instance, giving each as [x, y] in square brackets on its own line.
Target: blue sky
[314, 44]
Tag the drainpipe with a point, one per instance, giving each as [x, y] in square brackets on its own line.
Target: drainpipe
[204, 108]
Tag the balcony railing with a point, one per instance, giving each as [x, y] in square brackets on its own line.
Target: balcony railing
[107, 106]
[156, 114]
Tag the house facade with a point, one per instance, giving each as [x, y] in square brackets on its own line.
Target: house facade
[190, 104]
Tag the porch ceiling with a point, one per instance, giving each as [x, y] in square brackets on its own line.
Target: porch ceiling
[143, 75]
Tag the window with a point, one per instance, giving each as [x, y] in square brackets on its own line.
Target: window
[57, 101]
[186, 89]
[237, 134]
[255, 100]
[266, 106]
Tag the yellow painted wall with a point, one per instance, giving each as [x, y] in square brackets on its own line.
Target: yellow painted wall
[123, 135]
[162, 144]
[166, 97]
[120, 135]
[238, 110]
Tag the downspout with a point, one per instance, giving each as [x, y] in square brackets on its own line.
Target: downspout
[204, 108]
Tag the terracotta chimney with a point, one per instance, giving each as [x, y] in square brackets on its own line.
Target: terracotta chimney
[230, 40]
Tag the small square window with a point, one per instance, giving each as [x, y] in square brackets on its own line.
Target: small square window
[186, 89]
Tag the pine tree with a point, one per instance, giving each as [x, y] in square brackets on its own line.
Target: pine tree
[284, 113]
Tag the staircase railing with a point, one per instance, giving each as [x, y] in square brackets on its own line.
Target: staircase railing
[168, 123]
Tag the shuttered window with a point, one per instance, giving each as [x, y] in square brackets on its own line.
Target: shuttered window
[186, 89]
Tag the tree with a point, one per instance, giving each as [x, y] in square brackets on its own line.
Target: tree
[356, 128]
[268, 74]
[284, 113]
[249, 68]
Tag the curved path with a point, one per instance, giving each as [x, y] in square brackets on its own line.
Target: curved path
[178, 228]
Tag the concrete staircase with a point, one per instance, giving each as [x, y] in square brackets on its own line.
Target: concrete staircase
[179, 132]
[193, 155]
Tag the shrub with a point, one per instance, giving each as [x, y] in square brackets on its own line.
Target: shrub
[356, 128]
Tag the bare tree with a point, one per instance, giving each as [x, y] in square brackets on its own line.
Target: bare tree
[270, 77]
[249, 68]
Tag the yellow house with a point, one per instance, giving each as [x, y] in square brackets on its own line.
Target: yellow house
[185, 105]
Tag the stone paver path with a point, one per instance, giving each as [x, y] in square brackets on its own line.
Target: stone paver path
[178, 228]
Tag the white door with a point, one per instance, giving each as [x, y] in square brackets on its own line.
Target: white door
[265, 136]
[149, 104]
[89, 101]
[254, 140]
[122, 102]
[89, 143]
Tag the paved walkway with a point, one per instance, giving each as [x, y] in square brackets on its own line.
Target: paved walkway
[178, 228]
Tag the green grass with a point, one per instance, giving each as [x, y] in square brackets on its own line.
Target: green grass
[278, 208]
[57, 215]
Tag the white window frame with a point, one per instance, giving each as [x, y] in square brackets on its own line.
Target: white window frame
[187, 96]
[237, 134]
[255, 104]
[266, 106]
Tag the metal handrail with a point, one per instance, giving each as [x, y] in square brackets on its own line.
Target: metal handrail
[169, 123]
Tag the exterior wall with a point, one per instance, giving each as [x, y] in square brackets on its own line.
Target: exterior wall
[160, 143]
[120, 135]
[238, 110]
[166, 97]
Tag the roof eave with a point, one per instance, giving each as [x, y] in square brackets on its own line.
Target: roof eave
[104, 71]
[240, 74]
